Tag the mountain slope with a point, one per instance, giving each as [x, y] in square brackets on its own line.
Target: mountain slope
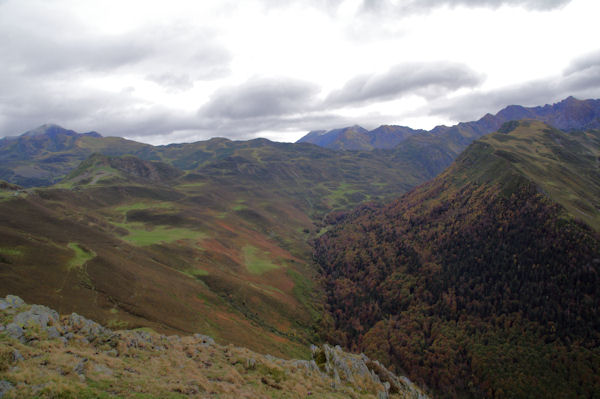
[358, 138]
[45, 355]
[482, 282]
[216, 245]
[43, 156]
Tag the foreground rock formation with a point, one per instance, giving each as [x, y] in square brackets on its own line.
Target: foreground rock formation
[43, 354]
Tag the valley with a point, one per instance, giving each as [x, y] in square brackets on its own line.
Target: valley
[465, 260]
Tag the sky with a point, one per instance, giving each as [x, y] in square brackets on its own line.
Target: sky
[181, 71]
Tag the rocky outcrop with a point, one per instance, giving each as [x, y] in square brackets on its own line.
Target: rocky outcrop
[351, 368]
[47, 355]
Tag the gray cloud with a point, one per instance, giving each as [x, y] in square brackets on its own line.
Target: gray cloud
[587, 61]
[49, 59]
[174, 82]
[581, 79]
[410, 6]
[426, 79]
[261, 97]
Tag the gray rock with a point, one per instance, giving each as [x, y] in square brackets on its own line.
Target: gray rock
[206, 340]
[90, 329]
[341, 365]
[5, 386]
[250, 363]
[37, 316]
[11, 301]
[382, 395]
[145, 336]
[15, 331]
[112, 353]
[16, 356]
[173, 338]
[102, 369]
[53, 332]
[80, 367]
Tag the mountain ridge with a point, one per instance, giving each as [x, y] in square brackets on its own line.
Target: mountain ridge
[441, 280]
[568, 114]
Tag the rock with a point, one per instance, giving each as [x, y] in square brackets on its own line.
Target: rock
[206, 340]
[5, 386]
[15, 331]
[250, 363]
[79, 368]
[102, 369]
[37, 316]
[173, 338]
[112, 353]
[16, 356]
[11, 301]
[53, 332]
[145, 336]
[341, 365]
[90, 329]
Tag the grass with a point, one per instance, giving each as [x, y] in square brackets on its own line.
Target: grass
[183, 367]
[144, 236]
[196, 273]
[256, 261]
[303, 290]
[82, 255]
[143, 205]
[10, 251]
[562, 165]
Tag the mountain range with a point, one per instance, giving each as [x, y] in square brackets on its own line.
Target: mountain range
[466, 261]
[569, 114]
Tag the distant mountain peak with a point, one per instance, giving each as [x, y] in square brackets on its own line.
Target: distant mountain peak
[568, 114]
[47, 128]
[52, 129]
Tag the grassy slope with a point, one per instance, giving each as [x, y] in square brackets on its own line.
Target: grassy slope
[477, 283]
[138, 364]
[564, 166]
[221, 249]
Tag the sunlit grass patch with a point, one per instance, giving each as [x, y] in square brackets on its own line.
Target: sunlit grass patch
[82, 255]
[10, 251]
[142, 236]
[256, 261]
[143, 205]
[195, 273]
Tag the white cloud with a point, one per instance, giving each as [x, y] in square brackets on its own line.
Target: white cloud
[186, 70]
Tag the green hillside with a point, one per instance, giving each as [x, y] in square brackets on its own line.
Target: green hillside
[482, 282]
[211, 237]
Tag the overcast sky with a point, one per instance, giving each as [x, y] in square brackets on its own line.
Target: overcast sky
[181, 71]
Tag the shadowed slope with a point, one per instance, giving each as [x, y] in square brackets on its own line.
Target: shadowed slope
[481, 282]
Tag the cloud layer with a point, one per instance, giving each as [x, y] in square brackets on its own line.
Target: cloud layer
[422, 5]
[189, 71]
[429, 80]
[581, 78]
